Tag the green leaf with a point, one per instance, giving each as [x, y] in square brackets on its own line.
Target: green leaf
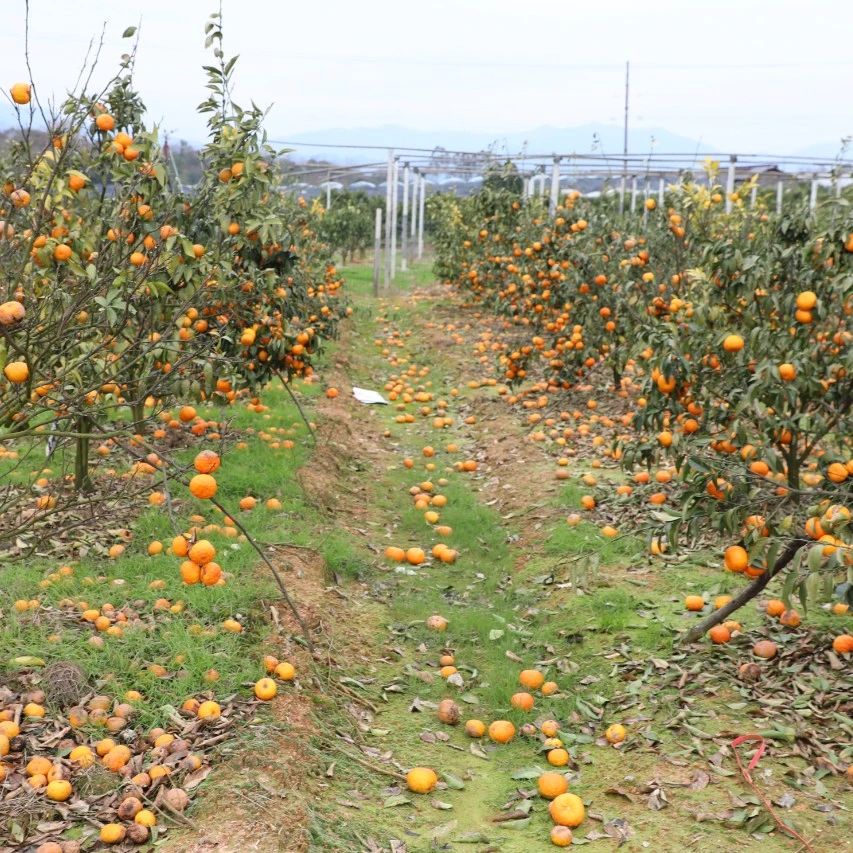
[528, 773]
[453, 781]
[396, 800]
[128, 32]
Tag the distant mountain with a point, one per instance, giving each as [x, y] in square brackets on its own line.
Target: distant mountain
[544, 140]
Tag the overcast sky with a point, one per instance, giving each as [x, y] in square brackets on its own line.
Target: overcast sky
[743, 74]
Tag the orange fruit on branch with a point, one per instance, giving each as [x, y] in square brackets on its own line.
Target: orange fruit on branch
[203, 486]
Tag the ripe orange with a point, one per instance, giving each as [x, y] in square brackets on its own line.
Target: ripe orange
[736, 558]
[694, 602]
[21, 93]
[265, 689]
[17, 372]
[286, 671]
[202, 552]
[203, 486]
[552, 784]
[415, 556]
[806, 301]
[567, 810]
[765, 649]
[421, 780]
[733, 343]
[775, 607]
[522, 700]
[616, 733]
[206, 462]
[561, 836]
[558, 757]
[501, 731]
[475, 728]
[843, 644]
[720, 634]
[209, 710]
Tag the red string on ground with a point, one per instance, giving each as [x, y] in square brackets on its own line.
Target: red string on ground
[747, 775]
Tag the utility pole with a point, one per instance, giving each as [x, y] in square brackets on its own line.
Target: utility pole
[625, 143]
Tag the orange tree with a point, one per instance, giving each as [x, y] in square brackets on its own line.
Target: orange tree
[749, 393]
[121, 296]
[738, 326]
[348, 225]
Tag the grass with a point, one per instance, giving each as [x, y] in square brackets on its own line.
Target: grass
[359, 278]
[175, 641]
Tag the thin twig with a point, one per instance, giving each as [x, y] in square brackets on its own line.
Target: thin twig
[298, 406]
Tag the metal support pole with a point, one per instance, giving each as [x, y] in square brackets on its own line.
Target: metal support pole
[415, 185]
[388, 179]
[377, 251]
[525, 188]
[421, 218]
[661, 190]
[329, 191]
[555, 187]
[813, 195]
[753, 195]
[625, 143]
[404, 265]
[634, 194]
[780, 190]
[730, 182]
[395, 174]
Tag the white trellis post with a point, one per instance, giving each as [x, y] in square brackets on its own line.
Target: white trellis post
[730, 182]
[395, 173]
[421, 218]
[377, 250]
[622, 188]
[555, 186]
[388, 179]
[661, 189]
[329, 191]
[813, 195]
[753, 195]
[404, 265]
[780, 191]
[633, 194]
[414, 226]
[525, 188]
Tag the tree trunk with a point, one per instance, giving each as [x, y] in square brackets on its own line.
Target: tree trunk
[137, 411]
[82, 483]
[793, 471]
[617, 378]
